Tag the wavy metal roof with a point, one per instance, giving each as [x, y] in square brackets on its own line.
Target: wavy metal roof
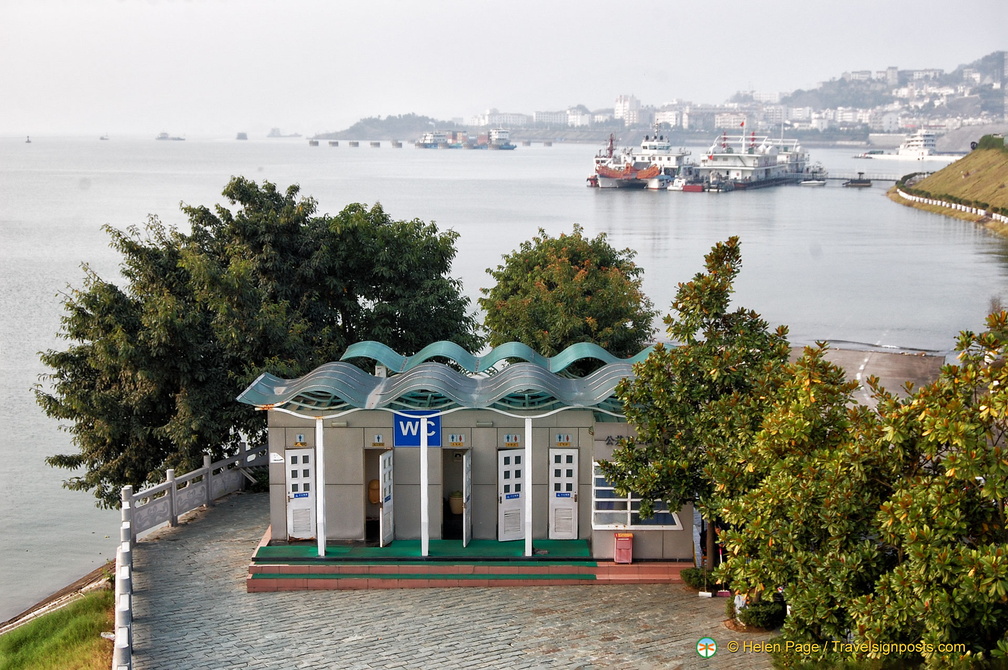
[528, 386]
[396, 362]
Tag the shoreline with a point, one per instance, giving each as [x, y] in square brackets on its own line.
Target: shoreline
[97, 578]
[994, 227]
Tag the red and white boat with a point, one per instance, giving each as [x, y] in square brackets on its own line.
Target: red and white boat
[653, 165]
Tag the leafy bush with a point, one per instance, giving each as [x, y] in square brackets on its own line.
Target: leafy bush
[991, 142]
[699, 578]
[261, 484]
[765, 615]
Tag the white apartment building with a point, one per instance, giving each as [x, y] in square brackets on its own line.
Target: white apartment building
[498, 119]
[729, 120]
[670, 116]
[550, 118]
[628, 108]
[578, 118]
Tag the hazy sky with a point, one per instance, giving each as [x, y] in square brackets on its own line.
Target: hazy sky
[214, 67]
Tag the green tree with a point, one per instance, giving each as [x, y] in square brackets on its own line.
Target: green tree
[556, 291]
[804, 522]
[884, 527]
[692, 404]
[946, 521]
[149, 378]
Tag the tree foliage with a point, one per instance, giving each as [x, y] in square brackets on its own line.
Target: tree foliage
[690, 404]
[885, 530]
[149, 378]
[885, 527]
[813, 488]
[556, 291]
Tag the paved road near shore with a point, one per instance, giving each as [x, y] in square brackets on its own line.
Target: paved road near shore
[191, 611]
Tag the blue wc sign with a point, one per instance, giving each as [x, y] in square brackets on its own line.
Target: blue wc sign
[407, 429]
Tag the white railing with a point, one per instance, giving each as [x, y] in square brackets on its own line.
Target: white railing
[162, 504]
[979, 211]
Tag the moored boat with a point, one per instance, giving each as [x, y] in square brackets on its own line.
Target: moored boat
[436, 139]
[858, 182]
[660, 182]
[625, 177]
[918, 146]
[500, 139]
[653, 165]
[749, 161]
[815, 176]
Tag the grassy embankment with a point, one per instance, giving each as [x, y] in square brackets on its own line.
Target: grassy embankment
[979, 177]
[66, 639]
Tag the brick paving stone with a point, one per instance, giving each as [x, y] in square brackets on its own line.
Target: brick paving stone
[191, 610]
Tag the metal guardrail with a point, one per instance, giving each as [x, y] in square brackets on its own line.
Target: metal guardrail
[162, 504]
[952, 205]
[874, 176]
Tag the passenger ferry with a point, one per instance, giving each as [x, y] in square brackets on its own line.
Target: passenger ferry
[920, 146]
[748, 161]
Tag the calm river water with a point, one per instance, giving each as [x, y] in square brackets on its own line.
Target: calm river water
[832, 263]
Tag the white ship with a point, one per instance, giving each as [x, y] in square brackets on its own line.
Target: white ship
[653, 165]
[748, 161]
[921, 146]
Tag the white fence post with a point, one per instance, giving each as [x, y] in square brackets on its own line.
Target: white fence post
[208, 479]
[122, 652]
[172, 514]
[126, 509]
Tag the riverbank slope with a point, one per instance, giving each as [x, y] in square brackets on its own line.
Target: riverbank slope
[978, 178]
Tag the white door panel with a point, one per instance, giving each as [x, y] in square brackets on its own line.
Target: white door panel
[300, 464]
[563, 499]
[466, 498]
[386, 526]
[510, 495]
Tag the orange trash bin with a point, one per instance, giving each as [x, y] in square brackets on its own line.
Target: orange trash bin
[624, 548]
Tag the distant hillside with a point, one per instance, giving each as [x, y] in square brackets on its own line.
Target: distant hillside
[407, 127]
[978, 179]
[988, 96]
[842, 93]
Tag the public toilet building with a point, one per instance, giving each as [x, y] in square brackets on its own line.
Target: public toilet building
[371, 459]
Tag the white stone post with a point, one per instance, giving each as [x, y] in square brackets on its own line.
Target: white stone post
[424, 493]
[208, 480]
[320, 518]
[172, 514]
[126, 510]
[528, 486]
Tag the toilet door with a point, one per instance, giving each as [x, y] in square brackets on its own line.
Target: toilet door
[300, 466]
[510, 495]
[563, 500]
[386, 524]
[466, 497]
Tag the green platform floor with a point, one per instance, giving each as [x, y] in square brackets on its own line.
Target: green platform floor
[438, 550]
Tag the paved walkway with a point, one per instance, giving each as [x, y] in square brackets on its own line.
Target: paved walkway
[191, 611]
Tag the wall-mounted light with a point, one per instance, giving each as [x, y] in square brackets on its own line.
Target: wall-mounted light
[337, 424]
[484, 424]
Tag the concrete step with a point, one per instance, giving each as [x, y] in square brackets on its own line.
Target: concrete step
[265, 576]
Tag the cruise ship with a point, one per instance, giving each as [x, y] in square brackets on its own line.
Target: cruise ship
[920, 146]
[748, 161]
